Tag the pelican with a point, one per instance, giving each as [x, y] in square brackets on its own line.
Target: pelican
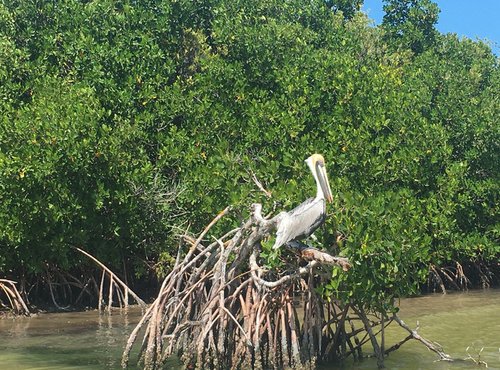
[303, 220]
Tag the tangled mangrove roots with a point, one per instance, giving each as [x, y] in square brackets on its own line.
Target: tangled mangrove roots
[452, 276]
[455, 276]
[219, 309]
[116, 287]
[16, 302]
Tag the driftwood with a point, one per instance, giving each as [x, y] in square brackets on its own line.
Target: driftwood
[116, 287]
[219, 308]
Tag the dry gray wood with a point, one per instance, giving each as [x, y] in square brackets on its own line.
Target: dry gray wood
[220, 309]
[16, 302]
[114, 283]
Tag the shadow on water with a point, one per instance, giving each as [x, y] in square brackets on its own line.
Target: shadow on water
[87, 340]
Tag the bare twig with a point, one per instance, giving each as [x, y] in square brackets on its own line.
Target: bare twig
[114, 283]
[434, 347]
[477, 360]
[259, 185]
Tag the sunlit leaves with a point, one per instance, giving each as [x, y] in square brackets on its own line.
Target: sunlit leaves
[125, 122]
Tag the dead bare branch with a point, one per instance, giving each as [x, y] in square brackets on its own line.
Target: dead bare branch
[260, 186]
[220, 309]
[16, 302]
[434, 347]
[115, 285]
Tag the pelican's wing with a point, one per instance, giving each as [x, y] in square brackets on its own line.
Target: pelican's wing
[301, 221]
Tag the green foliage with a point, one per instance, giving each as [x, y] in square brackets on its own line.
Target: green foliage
[389, 229]
[347, 7]
[124, 122]
[69, 179]
[411, 23]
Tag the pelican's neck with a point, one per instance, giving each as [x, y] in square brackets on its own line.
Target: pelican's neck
[319, 190]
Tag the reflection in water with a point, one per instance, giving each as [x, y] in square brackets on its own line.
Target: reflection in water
[76, 340]
[87, 340]
[457, 321]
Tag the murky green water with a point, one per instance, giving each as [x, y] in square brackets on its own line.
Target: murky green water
[87, 340]
[456, 321]
[76, 340]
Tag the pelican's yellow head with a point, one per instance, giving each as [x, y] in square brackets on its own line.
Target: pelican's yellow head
[316, 164]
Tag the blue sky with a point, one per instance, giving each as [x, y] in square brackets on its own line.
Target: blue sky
[478, 19]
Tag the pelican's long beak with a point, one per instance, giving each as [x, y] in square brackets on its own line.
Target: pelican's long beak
[323, 181]
[316, 164]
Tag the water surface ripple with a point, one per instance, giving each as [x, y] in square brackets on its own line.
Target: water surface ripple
[87, 340]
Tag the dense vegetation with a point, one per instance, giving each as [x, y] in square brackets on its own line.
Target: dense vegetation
[124, 123]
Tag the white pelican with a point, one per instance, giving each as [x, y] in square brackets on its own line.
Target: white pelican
[303, 220]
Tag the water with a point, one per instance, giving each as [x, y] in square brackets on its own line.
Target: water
[75, 340]
[457, 321]
[87, 340]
